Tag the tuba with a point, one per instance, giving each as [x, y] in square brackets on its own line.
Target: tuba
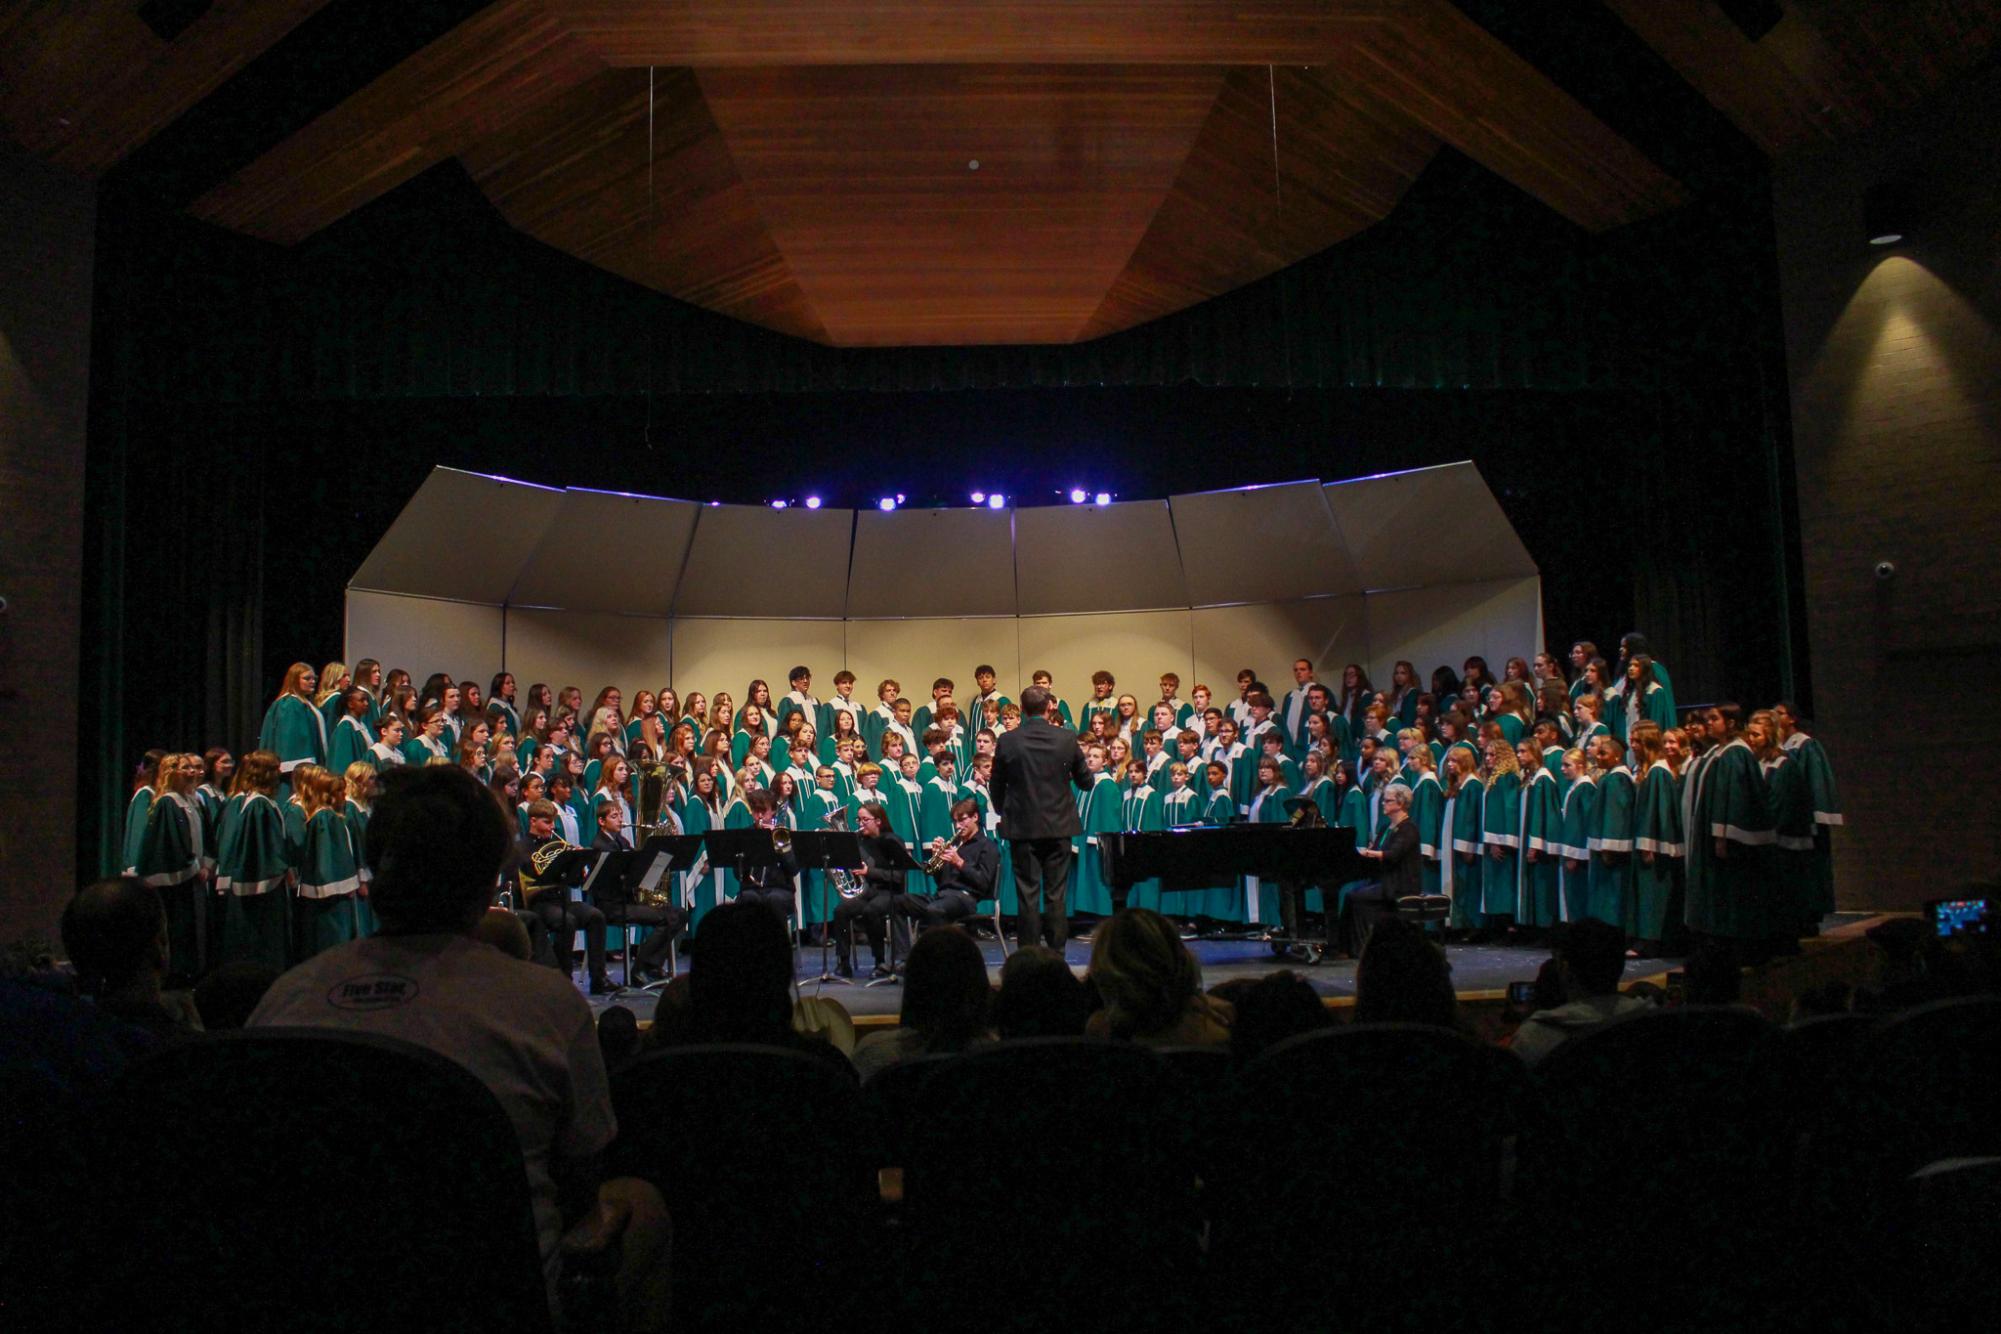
[649, 806]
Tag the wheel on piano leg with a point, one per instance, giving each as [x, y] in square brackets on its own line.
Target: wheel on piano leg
[1280, 946]
[1303, 951]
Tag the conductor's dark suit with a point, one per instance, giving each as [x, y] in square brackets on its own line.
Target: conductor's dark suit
[1037, 769]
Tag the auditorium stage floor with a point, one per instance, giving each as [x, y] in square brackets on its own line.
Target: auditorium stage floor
[1479, 972]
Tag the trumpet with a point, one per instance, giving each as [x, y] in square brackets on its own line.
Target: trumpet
[781, 840]
[935, 860]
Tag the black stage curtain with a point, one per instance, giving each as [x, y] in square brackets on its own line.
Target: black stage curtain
[260, 415]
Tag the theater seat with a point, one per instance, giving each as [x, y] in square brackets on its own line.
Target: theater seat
[297, 1180]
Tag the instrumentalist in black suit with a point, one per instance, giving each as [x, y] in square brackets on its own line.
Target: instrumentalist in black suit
[1037, 768]
[881, 886]
[649, 957]
[1401, 876]
[772, 883]
[550, 901]
[966, 879]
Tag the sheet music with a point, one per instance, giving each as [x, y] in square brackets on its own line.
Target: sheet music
[584, 890]
[654, 871]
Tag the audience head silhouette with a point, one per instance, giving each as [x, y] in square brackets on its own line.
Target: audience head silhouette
[115, 933]
[436, 842]
[1593, 957]
[740, 976]
[1277, 1006]
[1145, 974]
[945, 990]
[1403, 978]
[1039, 996]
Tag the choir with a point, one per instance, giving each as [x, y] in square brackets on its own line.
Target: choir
[1540, 797]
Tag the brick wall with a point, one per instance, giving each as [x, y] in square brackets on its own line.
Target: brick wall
[1895, 366]
[47, 223]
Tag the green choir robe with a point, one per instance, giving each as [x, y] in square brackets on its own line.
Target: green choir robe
[328, 879]
[934, 810]
[1580, 817]
[1500, 827]
[1140, 811]
[171, 856]
[1427, 812]
[702, 885]
[1808, 753]
[382, 757]
[351, 742]
[1611, 892]
[251, 865]
[1098, 811]
[806, 706]
[905, 799]
[1731, 896]
[510, 718]
[136, 812]
[1464, 879]
[355, 816]
[1261, 897]
[1091, 708]
[1536, 904]
[1656, 830]
[1791, 855]
[295, 732]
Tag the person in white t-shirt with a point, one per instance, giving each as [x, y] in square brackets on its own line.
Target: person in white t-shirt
[436, 843]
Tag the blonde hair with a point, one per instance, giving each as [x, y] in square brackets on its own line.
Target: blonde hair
[359, 776]
[329, 676]
[1143, 971]
[1421, 758]
[1501, 758]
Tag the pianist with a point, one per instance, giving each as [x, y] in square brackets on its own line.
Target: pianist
[1396, 849]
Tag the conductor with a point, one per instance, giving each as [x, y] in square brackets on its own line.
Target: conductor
[1035, 769]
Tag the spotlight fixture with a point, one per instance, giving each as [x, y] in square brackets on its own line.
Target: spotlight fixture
[1102, 498]
[886, 504]
[899, 497]
[778, 504]
[979, 497]
[812, 502]
[1078, 495]
[996, 501]
[1886, 213]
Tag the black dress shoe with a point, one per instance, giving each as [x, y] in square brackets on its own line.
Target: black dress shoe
[882, 970]
[842, 968]
[601, 986]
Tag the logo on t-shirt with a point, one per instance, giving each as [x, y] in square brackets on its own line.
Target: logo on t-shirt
[372, 991]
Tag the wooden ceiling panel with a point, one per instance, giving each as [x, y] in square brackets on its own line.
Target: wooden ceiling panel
[574, 173]
[468, 85]
[1235, 216]
[82, 85]
[1826, 70]
[723, 33]
[864, 178]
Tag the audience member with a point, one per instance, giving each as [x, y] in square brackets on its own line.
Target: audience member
[740, 982]
[618, 1035]
[1273, 1008]
[1152, 986]
[824, 1019]
[228, 996]
[1403, 978]
[1591, 957]
[1039, 996]
[115, 932]
[506, 932]
[435, 844]
[1711, 976]
[945, 1002]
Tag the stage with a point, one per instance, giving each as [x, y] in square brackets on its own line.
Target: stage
[1480, 973]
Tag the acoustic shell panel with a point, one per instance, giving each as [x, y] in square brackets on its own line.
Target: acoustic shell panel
[1076, 558]
[748, 560]
[463, 535]
[1267, 637]
[589, 650]
[1496, 619]
[1261, 544]
[1430, 526]
[956, 562]
[712, 655]
[608, 552]
[916, 652]
[424, 635]
[1135, 647]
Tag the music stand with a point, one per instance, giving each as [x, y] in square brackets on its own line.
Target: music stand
[660, 856]
[566, 871]
[827, 849]
[896, 858]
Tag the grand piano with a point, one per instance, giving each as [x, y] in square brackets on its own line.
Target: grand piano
[1214, 856]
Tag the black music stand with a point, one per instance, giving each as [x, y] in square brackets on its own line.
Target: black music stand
[896, 858]
[566, 871]
[827, 849]
[629, 871]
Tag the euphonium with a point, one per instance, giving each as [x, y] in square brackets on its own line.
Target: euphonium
[844, 882]
[781, 840]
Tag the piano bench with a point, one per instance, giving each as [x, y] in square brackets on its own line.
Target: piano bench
[1424, 908]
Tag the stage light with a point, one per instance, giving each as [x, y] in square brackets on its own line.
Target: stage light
[1102, 498]
[996, 501]
[1078, 495]
[778, 504]
[812, 502]
[1886, 213]
[899, 497]
[979, 497]
[886, 504]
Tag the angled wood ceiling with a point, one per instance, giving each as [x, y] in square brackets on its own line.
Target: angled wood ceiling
[807, 166]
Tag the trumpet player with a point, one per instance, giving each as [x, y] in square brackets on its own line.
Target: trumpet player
[770, 884]
[968, 864]
[649, 957]
[881, 886]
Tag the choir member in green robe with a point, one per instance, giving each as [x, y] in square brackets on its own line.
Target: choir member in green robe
[986, 690]
[1140, 811]
[1790, 857]
[1500, 837]
[1580, 817]
[1102, 699]
[218, 770]
[1633, 645]
[330, 698]
[1657, 845]
[1639, 697]
[432, 739]
[293, 729]
[500, 699]
[1581, 654]
[1048, 682]
[1611, 892]
[904, 799]
[1427, 812]
[360, 803]
[1465, 806]
[352, 739]
[704, 883]
[1825, 804]
[570, 813]
[1589, 712]
[843, 701]
[327, 871]
[1318, 788]
[799, 698]
[253, 865]
[1730, 833]
[171, 858]
[1262, 900]
[1098, 811]
[1536, 906]
[138, 809]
